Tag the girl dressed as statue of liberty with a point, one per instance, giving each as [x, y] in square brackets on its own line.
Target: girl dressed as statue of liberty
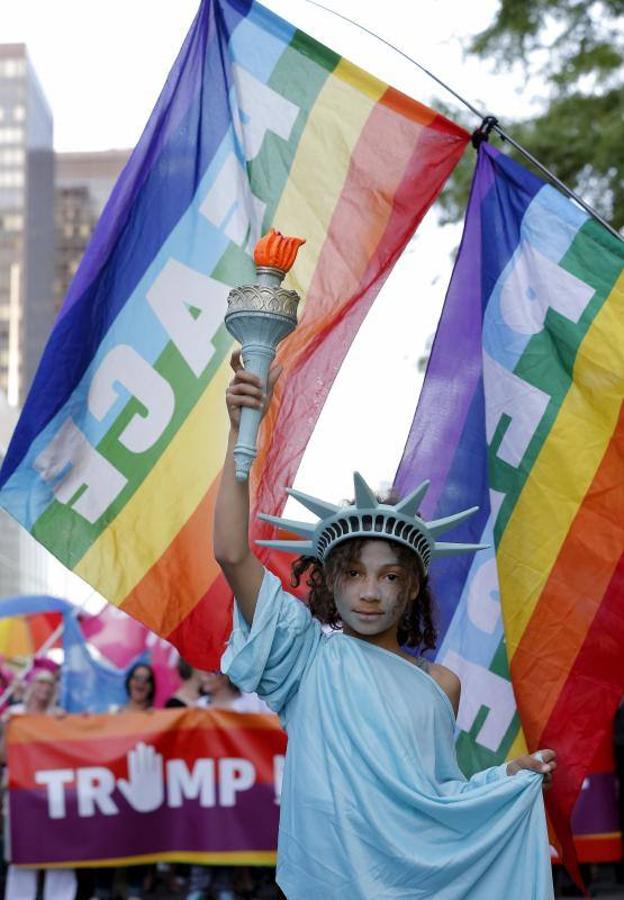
[373, 802]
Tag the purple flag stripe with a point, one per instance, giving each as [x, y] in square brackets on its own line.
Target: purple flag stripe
[248, 826]
[454, 369]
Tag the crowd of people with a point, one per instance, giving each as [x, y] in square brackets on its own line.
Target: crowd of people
[35, 693]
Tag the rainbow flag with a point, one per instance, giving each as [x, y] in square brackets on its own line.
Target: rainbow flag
[28, 621]
[116, 457]
[521, 414]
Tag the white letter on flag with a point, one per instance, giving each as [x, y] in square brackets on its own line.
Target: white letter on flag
[260, 109]
[231, 207]
[176, 290]
[536, 283]
[124, 366]
[483, 688]
[522, 402]
[70, 457]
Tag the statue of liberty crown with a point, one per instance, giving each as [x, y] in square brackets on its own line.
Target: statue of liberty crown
[368, 518]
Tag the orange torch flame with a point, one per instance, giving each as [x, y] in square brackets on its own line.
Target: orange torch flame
[276, 251]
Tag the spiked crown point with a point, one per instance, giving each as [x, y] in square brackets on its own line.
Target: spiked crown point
[410, 505]
[369, 517]
[364, 497]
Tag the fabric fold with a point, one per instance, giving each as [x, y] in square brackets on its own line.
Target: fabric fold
[373, 802]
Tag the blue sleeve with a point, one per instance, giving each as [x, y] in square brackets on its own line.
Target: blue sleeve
[499, 773]
[487, 776]
[495, 774]
[271, 656]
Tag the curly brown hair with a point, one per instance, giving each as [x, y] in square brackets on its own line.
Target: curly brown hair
[416, 627]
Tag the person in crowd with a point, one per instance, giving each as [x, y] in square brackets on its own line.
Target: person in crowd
[140, 688]
[373, 802]
[191, 692]
[39, 700]
[202, 881]
[215, 689]
[141, 691]
[38, 690]
[222, 693]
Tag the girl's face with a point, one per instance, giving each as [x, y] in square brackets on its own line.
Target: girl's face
[373, 593]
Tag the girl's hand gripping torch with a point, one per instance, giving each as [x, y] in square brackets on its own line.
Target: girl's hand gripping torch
[259, 316]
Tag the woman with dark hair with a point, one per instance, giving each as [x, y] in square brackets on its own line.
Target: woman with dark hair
[140, 688]
[191, 691]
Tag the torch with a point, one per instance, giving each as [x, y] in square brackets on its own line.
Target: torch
[259, 316]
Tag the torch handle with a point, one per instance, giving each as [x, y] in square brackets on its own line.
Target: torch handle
[257, 358]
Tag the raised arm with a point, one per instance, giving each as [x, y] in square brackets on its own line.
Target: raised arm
[241, 568]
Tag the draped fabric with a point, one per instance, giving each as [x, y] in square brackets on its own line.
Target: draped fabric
[373, 803]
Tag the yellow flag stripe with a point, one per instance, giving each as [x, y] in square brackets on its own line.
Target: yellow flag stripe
[564, 468]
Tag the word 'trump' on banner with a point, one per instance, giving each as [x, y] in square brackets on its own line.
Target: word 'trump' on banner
[191, 785]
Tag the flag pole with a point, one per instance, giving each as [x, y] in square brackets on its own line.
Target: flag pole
[492, 121]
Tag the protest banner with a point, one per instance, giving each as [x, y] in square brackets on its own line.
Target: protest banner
[190, 785]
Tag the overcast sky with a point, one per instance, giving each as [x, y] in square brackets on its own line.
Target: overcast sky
[102, 62]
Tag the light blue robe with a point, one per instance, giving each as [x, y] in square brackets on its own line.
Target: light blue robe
[373, 803]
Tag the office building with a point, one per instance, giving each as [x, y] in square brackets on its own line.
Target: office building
[26, 222]
[83, 183]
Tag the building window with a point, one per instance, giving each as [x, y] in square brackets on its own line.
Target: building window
[13, 222]
[19, 112]
[11, 135]
[12, 178]
[11, 197]
[13, 156]
[12, 68]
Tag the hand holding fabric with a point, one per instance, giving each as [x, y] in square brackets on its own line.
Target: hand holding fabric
[544, 762]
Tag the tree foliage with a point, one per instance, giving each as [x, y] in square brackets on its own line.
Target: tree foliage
[575, 48]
